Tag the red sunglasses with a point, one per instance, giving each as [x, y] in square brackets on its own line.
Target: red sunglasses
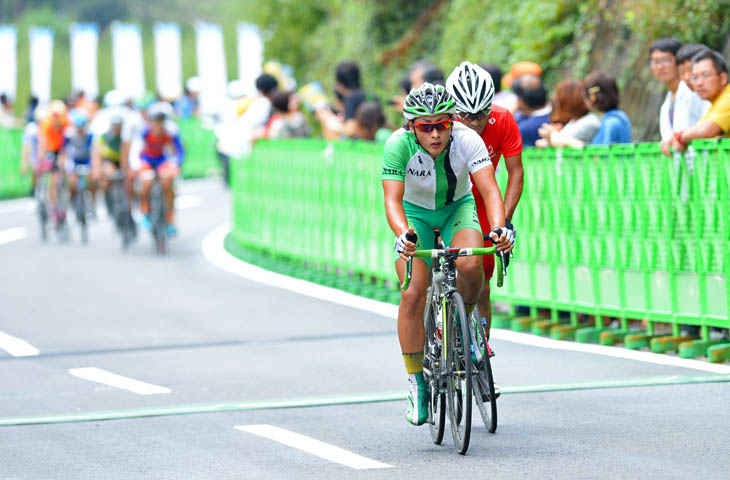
[428, 127]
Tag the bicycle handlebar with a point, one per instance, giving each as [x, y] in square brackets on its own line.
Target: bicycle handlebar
[453, 253]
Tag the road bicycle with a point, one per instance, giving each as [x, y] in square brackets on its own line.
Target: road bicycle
[58, 212]
[456, 351]
[119, 208]
[81, 200]
[158, 214]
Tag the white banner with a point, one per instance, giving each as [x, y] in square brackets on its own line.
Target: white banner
[168, 60]
[250, 55]
[41, 61]
[128, 61]
[84, 40]
[9, 72]
[211, 67]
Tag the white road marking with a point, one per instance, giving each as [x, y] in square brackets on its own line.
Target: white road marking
[98, 375]
[215, 252]
[315, 447]
[12, 234]
[200, 185]
[18, 205]
[16, 346]
[187, 201]
[625, 353]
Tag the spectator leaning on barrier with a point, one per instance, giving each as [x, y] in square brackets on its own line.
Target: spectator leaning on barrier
[603, 96]
[570, 119]
[7, 118]
[502, 98]
[710, 78]
[419, 72]
[532, 109]
[684, 60]
[371, 123]
[682, 108]
[259, 112]
[288, 121]
[517, 70]
[29, 114]
[349, 91]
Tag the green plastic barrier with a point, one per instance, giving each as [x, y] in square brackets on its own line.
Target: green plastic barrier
[620, 231]
[12, 183]
[200, 153]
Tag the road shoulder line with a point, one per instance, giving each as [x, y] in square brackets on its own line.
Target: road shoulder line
[216, 253]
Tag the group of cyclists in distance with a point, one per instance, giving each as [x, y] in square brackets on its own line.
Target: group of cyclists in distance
[71, 140]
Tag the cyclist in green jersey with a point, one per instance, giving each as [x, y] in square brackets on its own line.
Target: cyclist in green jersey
[426, 167]
[106, 152]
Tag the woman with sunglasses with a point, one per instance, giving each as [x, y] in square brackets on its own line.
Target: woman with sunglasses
[472, 88]
[426, 185]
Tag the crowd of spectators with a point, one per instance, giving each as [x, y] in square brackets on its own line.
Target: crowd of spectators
[578, 112]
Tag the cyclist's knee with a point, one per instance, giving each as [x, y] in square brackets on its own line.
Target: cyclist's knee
[413, 299]
[469, 266]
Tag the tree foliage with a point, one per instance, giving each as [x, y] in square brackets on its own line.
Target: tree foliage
[567, 38]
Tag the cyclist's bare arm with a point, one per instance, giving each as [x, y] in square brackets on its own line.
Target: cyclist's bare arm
[487, 185]
[393, 193]
[25, 159]
[95, 160]
[514, 184]
[124, 155]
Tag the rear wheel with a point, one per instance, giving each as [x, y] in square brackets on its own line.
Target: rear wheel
[459, 371]
[484, 394]
[432, 370]
[157, 218]
[42, 202]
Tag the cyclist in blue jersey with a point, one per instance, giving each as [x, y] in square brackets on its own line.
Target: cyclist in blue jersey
[426, 167]
[78, 151]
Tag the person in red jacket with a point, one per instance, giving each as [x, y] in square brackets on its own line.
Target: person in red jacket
[472, 88]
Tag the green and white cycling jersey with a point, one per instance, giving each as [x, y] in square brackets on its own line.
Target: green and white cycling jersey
[434, 183]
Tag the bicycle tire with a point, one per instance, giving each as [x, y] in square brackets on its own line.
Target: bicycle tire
[42, 202]
[484, 395]
[80, 210]
[157, 212]
[62, 201]
[432, 361]
[458, 370]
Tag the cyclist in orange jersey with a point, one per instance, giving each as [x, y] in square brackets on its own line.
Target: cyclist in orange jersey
[51, 146]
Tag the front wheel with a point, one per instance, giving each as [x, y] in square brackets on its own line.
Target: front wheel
[432, 370]
[458, 371]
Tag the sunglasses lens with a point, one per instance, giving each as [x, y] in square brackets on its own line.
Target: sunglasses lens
[428, 127]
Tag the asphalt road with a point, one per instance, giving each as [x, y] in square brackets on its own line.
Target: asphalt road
[179, 331]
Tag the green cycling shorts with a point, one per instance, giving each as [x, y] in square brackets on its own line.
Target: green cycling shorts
[449, 220]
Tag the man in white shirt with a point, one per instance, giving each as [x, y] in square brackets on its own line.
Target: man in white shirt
[682, 107]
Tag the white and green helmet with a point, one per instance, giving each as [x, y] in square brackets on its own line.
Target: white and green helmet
[427, 100]
[471, 87]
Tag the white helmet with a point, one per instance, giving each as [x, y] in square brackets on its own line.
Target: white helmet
[471, 87]
[114, 98]
[194, 84]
